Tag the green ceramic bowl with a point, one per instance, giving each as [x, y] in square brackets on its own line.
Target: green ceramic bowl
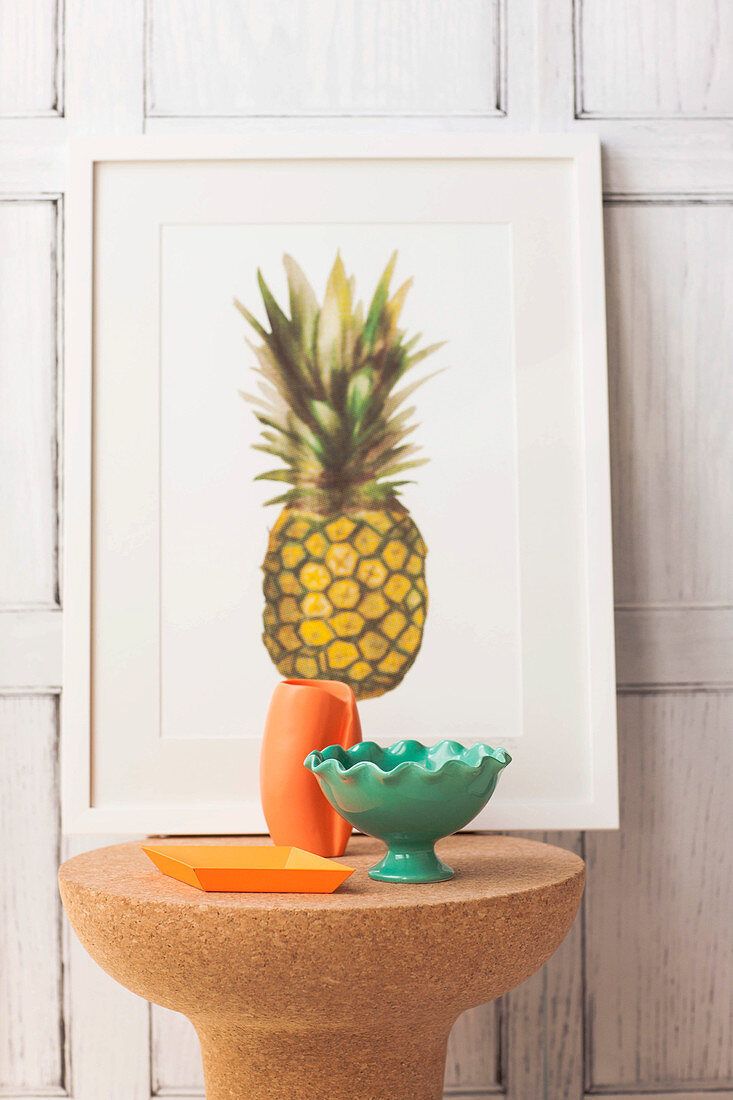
[409, 795]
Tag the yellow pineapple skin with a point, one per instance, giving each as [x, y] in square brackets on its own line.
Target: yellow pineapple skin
[345, 596]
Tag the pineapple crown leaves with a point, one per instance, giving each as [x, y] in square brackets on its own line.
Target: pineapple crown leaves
[328, 403]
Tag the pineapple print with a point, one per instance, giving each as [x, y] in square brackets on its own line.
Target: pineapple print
[344, 573]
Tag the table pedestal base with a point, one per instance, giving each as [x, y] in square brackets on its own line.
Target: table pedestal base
[345, 996]
[243, 1061]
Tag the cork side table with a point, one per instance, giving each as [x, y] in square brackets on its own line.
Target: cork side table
[345, 996]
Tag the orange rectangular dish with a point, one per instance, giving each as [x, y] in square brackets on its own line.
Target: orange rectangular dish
[248, 868]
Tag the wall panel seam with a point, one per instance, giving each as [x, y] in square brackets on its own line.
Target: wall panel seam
[34, 1094]
[501, 79]
[64, 1030]
[501, 1024]
[667, 198]
[51, 112]
[365, 115]
[585, 1030]
[58, 259]
[576, 35]
[55, 199]
[147, 48]
[152, 1071]
[60, 73]
[713, 605]
[39, 608]
[675, 689]
[30, 196]
[24, 691]
[683, 1090]
[598, 116]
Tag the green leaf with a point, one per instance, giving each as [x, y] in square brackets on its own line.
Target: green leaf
[267, 360]
[285, 346]
[263, 401]
[394, 306]
[279, 323]
[397, 398]
[312, 442]
[328, 339]
[358, 393]
[401, 452]
[378, 302]
[278, 475]
[326, 391]
[271, 449]
[412, 360]
[251, 319]
[303, 301]
[334, 319]
[400, 466]
[284, 498]
[339, 287]
[326, 416]
[385, 491]
[270, 422]
[396, 423]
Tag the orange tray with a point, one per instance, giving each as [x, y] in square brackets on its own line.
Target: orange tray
[248, 869]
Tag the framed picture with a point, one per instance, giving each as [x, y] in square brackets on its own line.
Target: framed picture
[335, 407]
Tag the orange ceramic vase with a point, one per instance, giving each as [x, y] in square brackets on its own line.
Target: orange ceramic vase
[305, 715]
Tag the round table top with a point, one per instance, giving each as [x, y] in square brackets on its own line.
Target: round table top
[370, 943]
[486, 866]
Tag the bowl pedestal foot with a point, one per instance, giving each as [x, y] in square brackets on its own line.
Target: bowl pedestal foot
[244, 1059]
[410, 863]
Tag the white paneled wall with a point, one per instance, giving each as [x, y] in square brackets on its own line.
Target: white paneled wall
[30, 58]
[323, 58]
[638, 999]
[655, 59]
[669, 288]
[32, 1055]
[659, 951]
[28, 398]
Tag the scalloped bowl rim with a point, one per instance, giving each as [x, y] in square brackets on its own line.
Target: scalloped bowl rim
[340, 761]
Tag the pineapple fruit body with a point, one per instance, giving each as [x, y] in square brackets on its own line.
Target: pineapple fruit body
[345, 591]
[345, 596]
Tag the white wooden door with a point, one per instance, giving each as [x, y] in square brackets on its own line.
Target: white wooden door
[637, 1001]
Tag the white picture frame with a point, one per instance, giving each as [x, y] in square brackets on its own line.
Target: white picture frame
[120, 774]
